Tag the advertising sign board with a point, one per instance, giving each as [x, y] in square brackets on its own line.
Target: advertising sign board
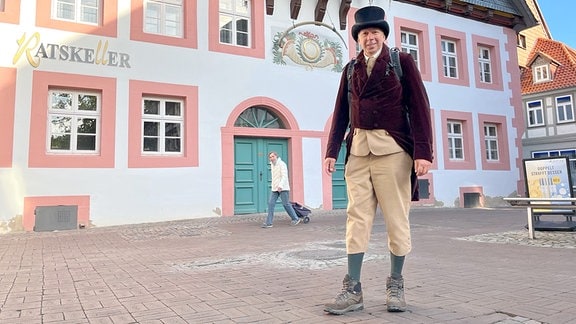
[548, 177]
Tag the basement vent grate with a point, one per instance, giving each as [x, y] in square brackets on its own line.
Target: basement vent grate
[55, 218]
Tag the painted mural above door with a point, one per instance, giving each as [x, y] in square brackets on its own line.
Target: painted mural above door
[310, 46]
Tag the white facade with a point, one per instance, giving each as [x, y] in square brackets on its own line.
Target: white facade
[126, 186]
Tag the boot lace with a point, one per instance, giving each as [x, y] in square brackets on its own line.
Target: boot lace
[394, 289]
[347, 289]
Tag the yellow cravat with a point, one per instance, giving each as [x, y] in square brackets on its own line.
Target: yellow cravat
[370, 65]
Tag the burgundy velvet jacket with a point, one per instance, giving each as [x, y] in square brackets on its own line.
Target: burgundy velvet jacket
[380, 103]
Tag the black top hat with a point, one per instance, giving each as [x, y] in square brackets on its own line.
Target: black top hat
[370, 17]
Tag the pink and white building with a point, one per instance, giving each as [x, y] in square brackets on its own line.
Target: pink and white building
[155, 110]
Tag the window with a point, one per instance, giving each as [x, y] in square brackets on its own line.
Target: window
[1, 5]
[162, 126]
[73, 122]
[409, 44]
[485, 64]
[92, 17]
[494, 142]
[259, 117]
[521, 41]
[459, 139]
[455, 140]
[541, 73]
[535, 113]
[424, 188]
[449, 59]
[237, 27]
[80, 11]
[235, 22]
[83, 108]
[452, 57]
[166, 22]
[414, 37]
[543, 154]
[491, 142]
[564, 109]
[163, 17]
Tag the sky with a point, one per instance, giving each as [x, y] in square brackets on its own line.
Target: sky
[559, 16]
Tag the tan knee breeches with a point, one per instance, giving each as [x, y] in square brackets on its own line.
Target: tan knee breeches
[378, 180]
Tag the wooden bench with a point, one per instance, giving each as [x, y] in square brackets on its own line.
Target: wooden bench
[536, 207]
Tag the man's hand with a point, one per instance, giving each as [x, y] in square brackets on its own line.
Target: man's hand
[421, 166]
[329, 165]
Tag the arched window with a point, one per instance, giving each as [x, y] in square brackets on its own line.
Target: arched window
[259, 117]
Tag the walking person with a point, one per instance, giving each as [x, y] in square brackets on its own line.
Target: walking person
[386, 151]
[280, 188]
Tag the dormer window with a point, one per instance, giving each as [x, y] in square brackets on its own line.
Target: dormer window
[541, 73]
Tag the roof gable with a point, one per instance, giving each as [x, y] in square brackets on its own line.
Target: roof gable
[540, 55]
[563, 66]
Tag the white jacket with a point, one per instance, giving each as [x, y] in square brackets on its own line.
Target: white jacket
[279, 175]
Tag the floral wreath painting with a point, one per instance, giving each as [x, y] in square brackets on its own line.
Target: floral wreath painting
[308, 49]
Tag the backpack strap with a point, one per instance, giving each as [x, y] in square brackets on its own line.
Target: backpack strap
[349, 72]
[395, 62]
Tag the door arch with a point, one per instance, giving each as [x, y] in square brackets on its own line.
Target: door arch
[264, 119]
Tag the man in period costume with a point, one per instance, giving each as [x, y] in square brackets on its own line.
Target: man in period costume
[389, 144]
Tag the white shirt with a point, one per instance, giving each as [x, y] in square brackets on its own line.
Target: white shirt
[374, 56]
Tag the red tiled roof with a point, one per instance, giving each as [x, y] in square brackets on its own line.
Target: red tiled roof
[559, 53]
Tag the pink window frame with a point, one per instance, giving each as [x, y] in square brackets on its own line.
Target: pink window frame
[494, 47]
[400, 25]
[257, 45]
[189, 94]
[108, 25]
[503, 162]
[189, 38]
[41, 84]
[11, 13]
[462, 56]
[7, 108]
[468, 163]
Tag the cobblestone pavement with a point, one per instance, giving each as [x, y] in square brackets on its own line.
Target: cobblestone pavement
[467, 266]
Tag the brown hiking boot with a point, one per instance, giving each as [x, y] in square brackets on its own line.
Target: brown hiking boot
[348, 300]
[395, 301]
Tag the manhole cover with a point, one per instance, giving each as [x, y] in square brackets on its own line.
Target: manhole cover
[336, 245]
[319, 254]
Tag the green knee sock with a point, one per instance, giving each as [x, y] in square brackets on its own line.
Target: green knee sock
[355, 265]
[396, 265]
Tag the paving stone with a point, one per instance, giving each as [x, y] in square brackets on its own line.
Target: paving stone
[467, 266]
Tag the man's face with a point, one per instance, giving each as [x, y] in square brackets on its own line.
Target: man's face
[272, 157]
[371, 40]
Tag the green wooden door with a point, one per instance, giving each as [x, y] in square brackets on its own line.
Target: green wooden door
[252, 172]
[339, 195]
